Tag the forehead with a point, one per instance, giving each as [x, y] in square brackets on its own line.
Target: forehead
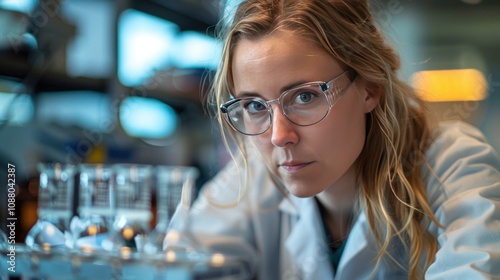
[279, 59]
[279, 46]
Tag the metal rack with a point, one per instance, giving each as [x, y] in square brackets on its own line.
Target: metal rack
[65, 264]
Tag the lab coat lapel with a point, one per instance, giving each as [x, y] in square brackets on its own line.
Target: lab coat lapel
[358, 260]
[306, 244]
[356, 243]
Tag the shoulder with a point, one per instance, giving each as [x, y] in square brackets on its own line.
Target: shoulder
[462, 142]
[458, 135]
[463, 186]
[459, 159]
[241, 182]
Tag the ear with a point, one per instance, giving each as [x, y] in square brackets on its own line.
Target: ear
[372, 96]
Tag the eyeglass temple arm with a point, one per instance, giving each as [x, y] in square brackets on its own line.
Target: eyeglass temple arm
[223, 107]
[350, 73]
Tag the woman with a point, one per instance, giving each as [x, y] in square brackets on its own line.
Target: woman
[343, 174]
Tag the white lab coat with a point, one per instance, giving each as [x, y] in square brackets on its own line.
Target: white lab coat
[284, 238]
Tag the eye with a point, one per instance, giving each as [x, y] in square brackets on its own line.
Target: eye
[254, 106]
[304, 97]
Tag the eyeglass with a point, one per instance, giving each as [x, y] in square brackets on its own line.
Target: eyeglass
[303, 105]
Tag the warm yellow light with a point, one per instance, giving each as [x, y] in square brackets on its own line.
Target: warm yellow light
[451, 85]
[87, 249]
[128, 233]
[46, 247]
[173, 236]
[218, 259]
[170, 256]
[125, 252]
[92, 230]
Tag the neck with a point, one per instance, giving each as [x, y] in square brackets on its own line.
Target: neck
[337, 204]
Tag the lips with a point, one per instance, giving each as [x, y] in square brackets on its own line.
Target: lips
[292, 167]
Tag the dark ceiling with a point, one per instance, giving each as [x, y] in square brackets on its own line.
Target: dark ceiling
[198, 15]
[457, 22]
[442, 23]
[474, 23]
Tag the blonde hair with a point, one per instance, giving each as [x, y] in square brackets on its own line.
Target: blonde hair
[398, 130]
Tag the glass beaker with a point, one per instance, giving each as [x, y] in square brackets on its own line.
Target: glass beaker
[133, 202]
[175, 190]
[96, 208]
[55, 207]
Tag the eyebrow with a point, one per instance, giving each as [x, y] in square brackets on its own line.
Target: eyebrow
[244, 94]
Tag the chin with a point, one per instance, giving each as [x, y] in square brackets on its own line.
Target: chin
[302, 195]
[301, 191]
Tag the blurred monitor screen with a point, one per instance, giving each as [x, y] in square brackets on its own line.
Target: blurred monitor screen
[147, 118]
[90, 53]
[147, 43]
[24, 6]
[84, 109]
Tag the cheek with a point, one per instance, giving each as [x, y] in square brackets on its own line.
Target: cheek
[263, 145]
[355, 128]
[262, 141]
[344, 142]
[354, 139]
[346, 134]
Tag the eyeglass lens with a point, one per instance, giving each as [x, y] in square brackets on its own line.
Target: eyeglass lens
[304, 105]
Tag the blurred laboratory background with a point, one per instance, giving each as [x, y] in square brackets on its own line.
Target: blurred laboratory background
[122, 81]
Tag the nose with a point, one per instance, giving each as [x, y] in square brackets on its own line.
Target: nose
[283, 131]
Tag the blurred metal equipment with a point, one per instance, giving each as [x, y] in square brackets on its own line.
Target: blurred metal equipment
[121, 195]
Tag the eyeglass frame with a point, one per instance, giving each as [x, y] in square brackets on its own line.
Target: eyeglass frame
[325, 86]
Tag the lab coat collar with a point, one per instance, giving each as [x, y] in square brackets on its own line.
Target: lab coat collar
[357, 242]
[290, 205]
[307, 244]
